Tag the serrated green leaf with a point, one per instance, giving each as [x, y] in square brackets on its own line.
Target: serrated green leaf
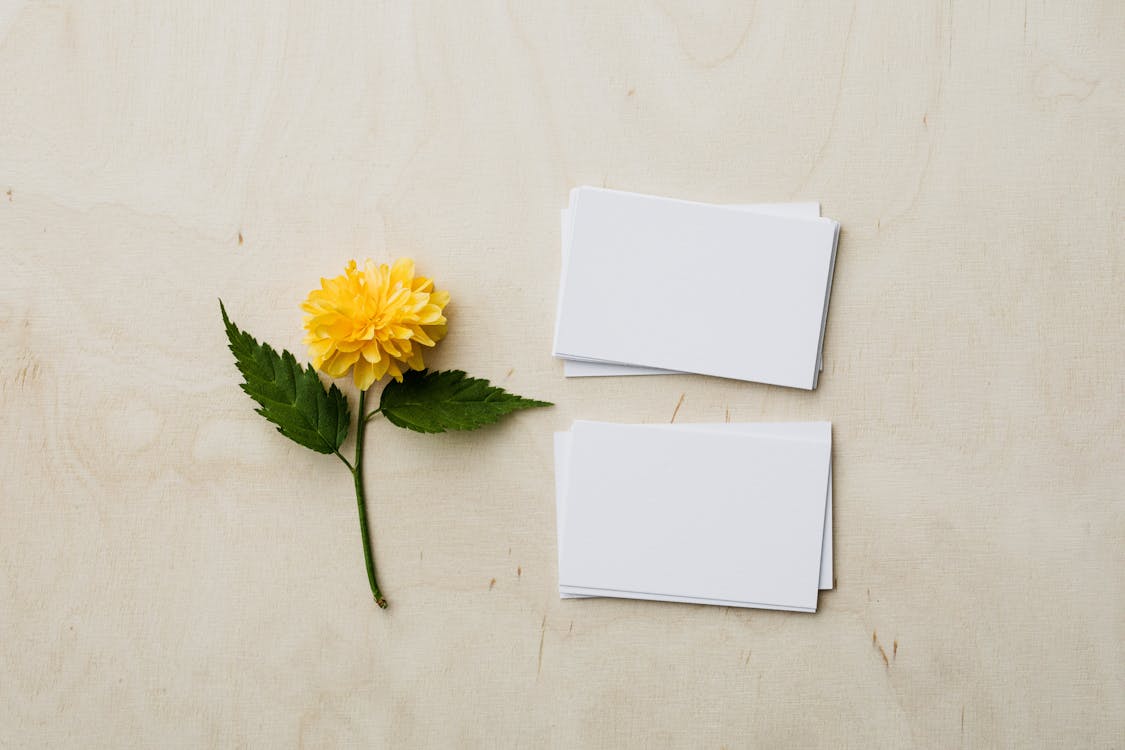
[450, 400]
[291, 397]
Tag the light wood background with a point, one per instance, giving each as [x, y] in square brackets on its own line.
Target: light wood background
[173, 573]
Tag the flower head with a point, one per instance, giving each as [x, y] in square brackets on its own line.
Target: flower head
[377, 318]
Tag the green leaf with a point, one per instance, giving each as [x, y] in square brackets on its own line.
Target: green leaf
[292, 398]
[450, 400]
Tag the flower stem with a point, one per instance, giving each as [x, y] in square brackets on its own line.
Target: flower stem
[361, 503]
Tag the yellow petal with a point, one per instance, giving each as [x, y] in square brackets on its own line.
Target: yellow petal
[430, 314]
[419, 334]
[319, 347]
[441, 299]
[391, 348]
[338, 363]
[437, 333]
[351, 345]
[380, 367]
[402, 272]
[371, 352]
[364, 375]
[394, 370]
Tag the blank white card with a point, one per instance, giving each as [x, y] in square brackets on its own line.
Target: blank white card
[681, 514]
[686, 286]
[821, 431]
[584, 369]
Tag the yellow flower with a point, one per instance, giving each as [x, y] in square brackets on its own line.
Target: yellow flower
[377, 318]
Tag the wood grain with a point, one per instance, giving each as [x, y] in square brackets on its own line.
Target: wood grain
[173, 573]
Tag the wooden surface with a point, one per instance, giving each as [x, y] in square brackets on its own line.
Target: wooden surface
[173, 573]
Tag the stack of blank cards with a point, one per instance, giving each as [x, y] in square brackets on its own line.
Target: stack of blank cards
[728, 514]
[651, 285]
